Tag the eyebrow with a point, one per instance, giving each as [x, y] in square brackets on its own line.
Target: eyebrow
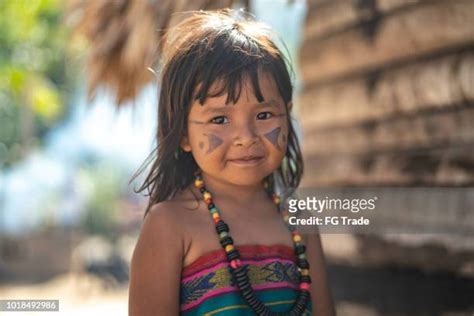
[270, 102]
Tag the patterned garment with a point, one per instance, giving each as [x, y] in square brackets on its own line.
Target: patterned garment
[206, 287]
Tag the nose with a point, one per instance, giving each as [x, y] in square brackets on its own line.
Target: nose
[245, 135]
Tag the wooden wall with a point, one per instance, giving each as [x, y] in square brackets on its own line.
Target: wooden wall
[388, 95]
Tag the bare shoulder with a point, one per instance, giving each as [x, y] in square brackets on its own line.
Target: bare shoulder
[161, 222]
[174, 211]
[176, 218]
[165, 215]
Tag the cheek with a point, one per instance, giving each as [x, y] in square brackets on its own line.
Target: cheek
[276, 134]
[208, 143]
[213, 141]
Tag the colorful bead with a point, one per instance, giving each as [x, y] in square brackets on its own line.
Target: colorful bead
[226, 241]
[234, 254]
[213, 210]
[303, 264]
[235, 263]
[305, 279]
[216, 220]
[221, 227]
[302, 256]
[207, 195]
[229, 248]
[304, 286]
[198, 183]
[299, 249]
[276, 199]
[296, 238]
[223, 234]
[304, 272]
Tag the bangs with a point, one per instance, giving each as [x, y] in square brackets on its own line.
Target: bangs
[231, 84]
[234, 61]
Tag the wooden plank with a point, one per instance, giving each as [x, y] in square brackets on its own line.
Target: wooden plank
[435, 84]
[426, 252]
[389, 5]
[404, 209]
[430, 130]
[449, 165]
[324, 18]
[412, 33]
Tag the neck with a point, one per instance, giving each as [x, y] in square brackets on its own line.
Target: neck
[238, 194]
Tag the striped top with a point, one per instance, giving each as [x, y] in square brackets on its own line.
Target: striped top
[206, 287]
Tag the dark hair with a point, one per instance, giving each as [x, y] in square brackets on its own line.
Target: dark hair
[224, 47]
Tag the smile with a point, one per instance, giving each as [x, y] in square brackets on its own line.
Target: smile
[247, 161]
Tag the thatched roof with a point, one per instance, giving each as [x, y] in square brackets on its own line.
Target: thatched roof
[124, 38]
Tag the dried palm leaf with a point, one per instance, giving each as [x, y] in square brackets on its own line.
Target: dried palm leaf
[125, 37]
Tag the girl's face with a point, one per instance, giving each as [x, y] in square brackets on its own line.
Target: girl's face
[239, 143]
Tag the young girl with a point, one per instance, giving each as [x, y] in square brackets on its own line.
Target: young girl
[213, 241]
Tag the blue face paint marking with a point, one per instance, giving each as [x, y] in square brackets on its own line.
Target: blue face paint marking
[272, 136]
[214, 142]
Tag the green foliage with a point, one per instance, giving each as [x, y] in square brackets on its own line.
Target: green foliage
[34, 81]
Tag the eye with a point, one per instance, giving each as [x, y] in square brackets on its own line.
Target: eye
[220, 120]
[264, 115]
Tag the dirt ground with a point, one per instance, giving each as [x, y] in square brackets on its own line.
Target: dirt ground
[77, 295]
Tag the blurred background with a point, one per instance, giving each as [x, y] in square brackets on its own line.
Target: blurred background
[384, 95]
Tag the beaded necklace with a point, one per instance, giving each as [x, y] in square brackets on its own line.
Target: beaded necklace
[239, 271]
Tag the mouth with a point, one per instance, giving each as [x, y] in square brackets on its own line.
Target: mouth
[247, 160]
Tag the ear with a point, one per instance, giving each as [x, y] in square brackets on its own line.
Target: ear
[185, 146]
[289, 106]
